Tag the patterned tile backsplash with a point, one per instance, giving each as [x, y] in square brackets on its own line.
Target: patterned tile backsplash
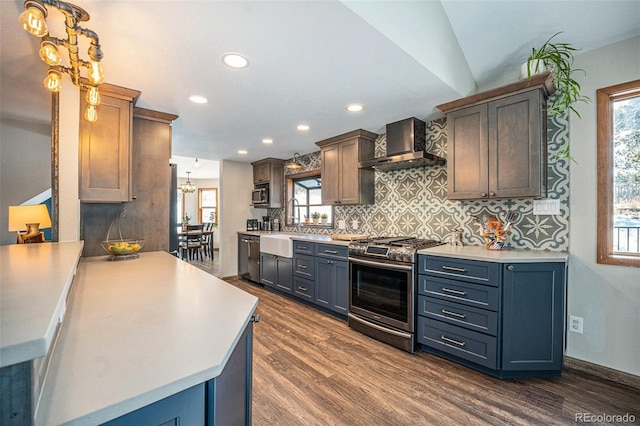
[414, 202]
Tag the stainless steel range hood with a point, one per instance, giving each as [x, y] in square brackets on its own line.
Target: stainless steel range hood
[405, 148]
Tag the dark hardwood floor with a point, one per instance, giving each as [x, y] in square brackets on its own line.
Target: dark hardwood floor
[309, 368]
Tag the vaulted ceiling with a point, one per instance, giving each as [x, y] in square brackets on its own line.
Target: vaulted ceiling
[308, 60]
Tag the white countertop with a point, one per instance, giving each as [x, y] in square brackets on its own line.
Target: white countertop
[138, 331]
[316, 238]
[35, 280]
[500, 256]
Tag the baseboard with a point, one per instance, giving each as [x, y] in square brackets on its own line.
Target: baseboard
[602, 372]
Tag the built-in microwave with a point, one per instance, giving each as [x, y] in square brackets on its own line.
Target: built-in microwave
[260, 196]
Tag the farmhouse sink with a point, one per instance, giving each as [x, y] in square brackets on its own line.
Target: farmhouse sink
[278, 244]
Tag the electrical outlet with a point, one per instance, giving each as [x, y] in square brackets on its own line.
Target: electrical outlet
[342, 224]
[576, 324]
[354, 224]
[546, 207]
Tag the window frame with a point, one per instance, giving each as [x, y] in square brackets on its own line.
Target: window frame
[289, 180]
[201, 206]
[605, 99]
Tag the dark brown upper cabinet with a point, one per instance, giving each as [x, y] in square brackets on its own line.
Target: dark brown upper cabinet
[105, 147]
[268, 173]
[497, 142]
[342, 181]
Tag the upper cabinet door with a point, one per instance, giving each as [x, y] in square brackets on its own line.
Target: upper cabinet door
[517, 147]
[468, 156]
[105, 147]
[330, 171]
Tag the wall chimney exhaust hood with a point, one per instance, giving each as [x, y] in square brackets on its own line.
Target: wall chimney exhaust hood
[405, 148]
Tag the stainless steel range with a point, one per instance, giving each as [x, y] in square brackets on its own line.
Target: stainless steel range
[382, 288]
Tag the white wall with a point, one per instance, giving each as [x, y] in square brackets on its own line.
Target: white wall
[236, 183]
[607, 297]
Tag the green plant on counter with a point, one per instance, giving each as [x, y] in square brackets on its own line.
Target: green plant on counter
[186, 218]
[324, 216]
[315, 215]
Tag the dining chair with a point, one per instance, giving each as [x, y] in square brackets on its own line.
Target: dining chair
[206, 240]
[191, 243]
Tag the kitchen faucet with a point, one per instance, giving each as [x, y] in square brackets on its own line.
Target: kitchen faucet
[293, 200]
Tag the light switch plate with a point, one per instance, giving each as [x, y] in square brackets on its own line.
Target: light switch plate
[342, 224]
[546, 207]
[354, 224]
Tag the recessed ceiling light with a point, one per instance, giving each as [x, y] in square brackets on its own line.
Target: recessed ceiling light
[235, 60]
[197, 99]
[355, 107]
[303, 127]
[242, 151]
[267, 140]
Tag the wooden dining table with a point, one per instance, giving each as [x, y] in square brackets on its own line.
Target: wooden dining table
[184, 233]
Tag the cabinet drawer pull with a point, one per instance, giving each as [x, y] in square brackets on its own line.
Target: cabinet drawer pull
[302, 266]
[448, 340]
[331, 251]
[453, 314]
[330, 262]
[458, 292]
[451, 268]
[303, 248]
[302, 288]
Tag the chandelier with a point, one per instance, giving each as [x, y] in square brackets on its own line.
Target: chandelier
[188, 187]
[33, 20]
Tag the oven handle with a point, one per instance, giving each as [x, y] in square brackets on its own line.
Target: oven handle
[378, 327]
[381, 265]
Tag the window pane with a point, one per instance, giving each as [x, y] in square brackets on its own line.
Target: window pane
[209, 215]
[626, 181]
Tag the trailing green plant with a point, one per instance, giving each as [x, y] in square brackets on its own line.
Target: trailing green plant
[559, 58]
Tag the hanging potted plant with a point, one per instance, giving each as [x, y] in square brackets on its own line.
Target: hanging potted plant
[558, 58]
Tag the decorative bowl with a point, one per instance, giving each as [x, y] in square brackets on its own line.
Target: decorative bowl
[122, 247]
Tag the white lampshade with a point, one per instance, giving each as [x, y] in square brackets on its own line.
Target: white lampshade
[20, 216]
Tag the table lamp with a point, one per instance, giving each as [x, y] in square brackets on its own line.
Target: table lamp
[31, 218]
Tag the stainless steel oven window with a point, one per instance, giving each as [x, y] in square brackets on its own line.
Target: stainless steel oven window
[382, 291]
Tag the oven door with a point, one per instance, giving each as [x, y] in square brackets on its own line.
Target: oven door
[382, 292]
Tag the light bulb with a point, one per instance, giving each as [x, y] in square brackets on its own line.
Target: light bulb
[49, 53]
[53, 81]
[33, 21]
[91, 113]
[93, 96]
[95, 73]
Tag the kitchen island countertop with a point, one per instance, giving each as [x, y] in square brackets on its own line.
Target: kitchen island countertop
[35, 281]
[499, 256]
[138, 331]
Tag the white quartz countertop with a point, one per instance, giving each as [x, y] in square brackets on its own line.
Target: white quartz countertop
[138, 331]
[499, 256]
[34, 282]
[316, 238]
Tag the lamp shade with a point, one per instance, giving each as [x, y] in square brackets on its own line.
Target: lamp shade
[20, 216]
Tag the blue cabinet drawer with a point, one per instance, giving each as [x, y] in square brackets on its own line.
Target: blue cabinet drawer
[476, 319]
[466, 344]
[487, 273]
[480, 296]
[332, 251]
[303, 247]
[303, 288]
[303, 266]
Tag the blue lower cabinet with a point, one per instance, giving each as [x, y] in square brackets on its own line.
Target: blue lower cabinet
[332, 284]
[511, 325]
[225, 400]
[276, 272]
[303, 288]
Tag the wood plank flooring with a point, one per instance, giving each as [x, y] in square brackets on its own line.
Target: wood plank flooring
[309, 368]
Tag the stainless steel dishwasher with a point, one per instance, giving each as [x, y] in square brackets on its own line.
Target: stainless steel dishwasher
[249, 257]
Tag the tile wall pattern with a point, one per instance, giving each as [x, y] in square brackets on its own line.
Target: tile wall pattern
[414, 202]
